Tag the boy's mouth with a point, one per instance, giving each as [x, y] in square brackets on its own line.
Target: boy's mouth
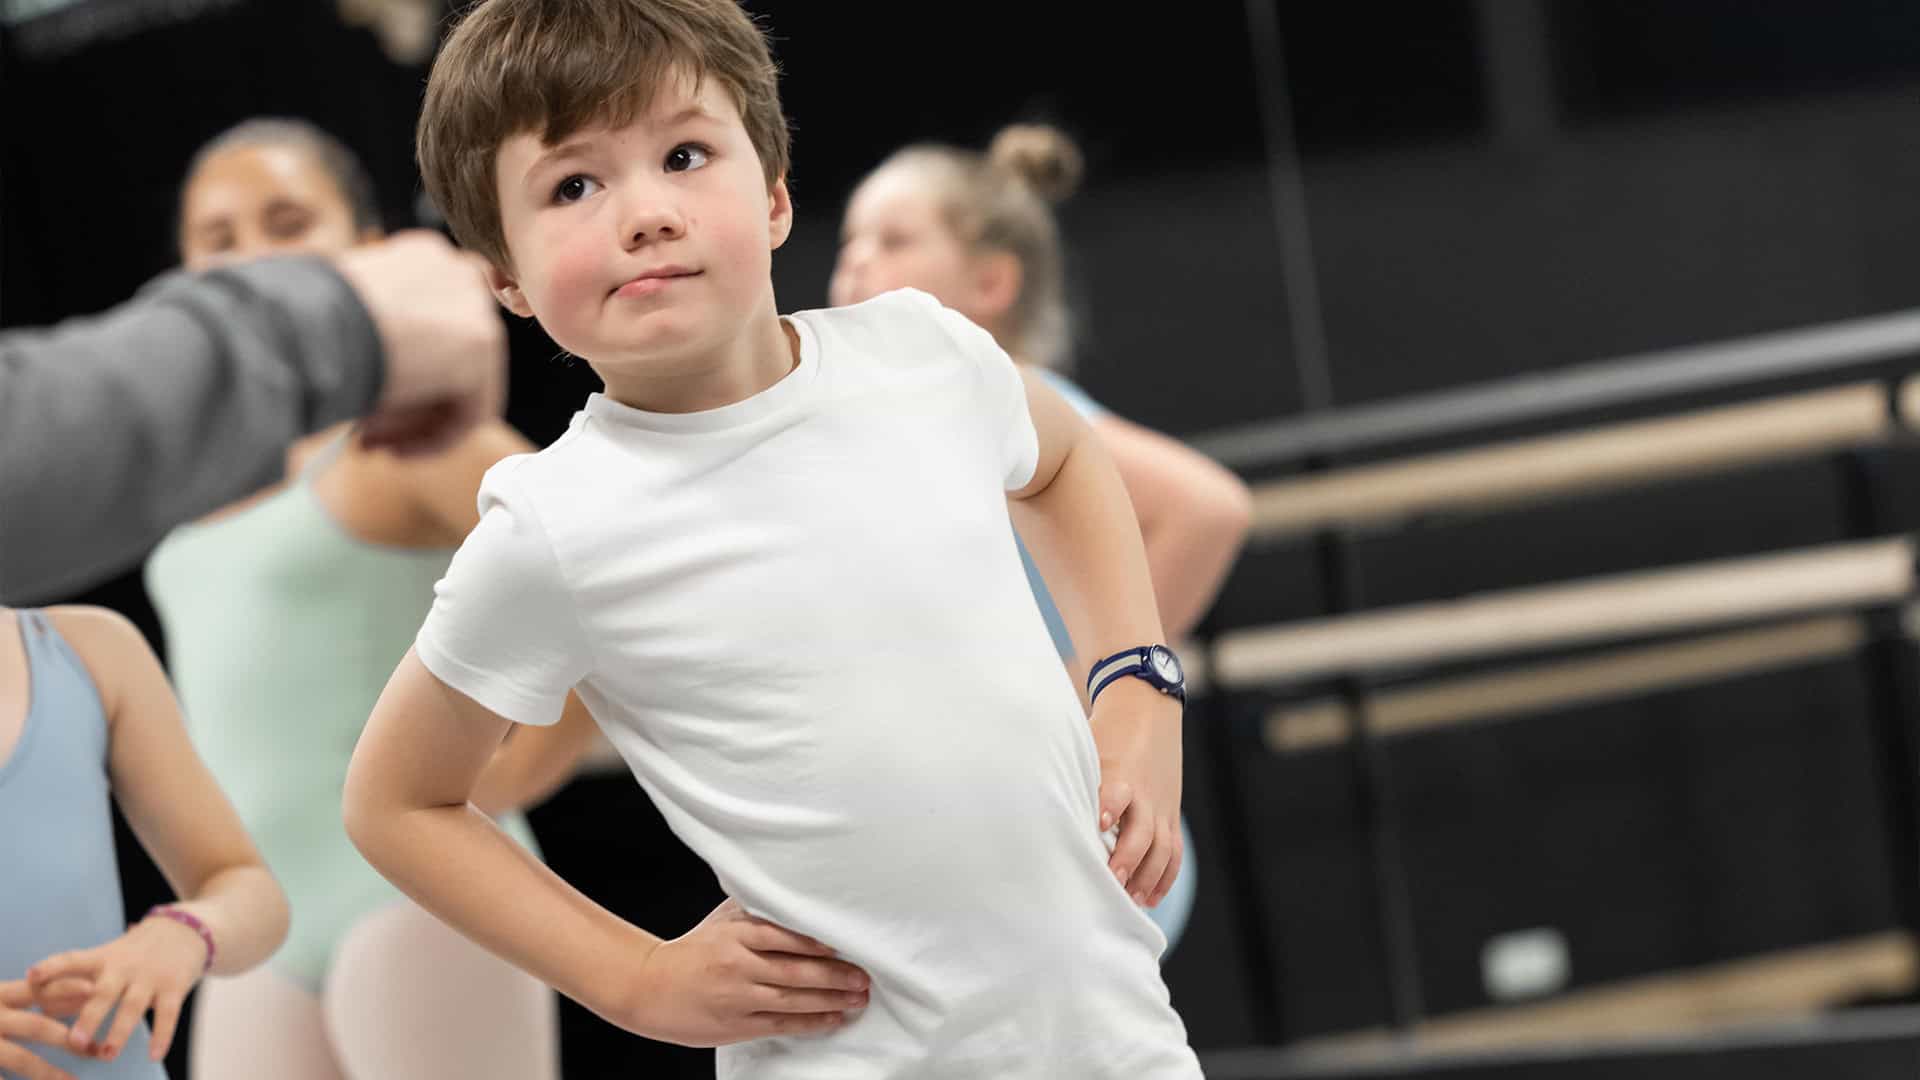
[653, 281]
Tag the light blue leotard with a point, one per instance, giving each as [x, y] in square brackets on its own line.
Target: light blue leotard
[61, 889]
[1171, 915]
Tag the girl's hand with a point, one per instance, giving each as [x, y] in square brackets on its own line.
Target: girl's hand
[62, 999]
[20, 1025]
[151, 966]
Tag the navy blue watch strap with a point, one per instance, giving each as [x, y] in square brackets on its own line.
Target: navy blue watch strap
[1137, 663]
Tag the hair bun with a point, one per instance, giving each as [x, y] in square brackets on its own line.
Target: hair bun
[1044, 156]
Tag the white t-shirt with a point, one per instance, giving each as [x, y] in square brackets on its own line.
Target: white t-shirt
[802, 621]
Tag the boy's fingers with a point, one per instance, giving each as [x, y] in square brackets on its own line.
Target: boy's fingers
[1145, 885]
[763, 936]
[1136, 837]
[771, 1023]
[1174, 866]
[1115, 797]
[809, 973]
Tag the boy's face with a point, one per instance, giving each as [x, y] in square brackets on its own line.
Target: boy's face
[643, 249]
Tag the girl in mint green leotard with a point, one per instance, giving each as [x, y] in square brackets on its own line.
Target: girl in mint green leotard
[284, 617]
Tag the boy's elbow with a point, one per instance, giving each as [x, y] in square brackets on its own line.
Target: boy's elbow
[359, 811]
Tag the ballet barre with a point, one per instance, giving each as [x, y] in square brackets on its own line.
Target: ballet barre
[1837, 392]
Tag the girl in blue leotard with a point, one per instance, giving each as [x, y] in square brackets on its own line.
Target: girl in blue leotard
[978, 232]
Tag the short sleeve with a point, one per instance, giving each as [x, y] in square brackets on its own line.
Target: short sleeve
[503, 629]
[1002, 395]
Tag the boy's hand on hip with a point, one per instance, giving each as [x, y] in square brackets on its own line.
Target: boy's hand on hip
[1137, 730]
[735, 977]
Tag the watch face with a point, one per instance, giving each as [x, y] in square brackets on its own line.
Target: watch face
[1165, 664]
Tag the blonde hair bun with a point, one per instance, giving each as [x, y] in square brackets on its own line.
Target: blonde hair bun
[1045, 157]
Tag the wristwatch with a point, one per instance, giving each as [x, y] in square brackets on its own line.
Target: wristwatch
[1154, 663]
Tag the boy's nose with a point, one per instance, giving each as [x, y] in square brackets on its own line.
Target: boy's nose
[651, 219]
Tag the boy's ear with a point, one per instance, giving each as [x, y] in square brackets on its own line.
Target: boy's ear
[507, 291]
[780, 212]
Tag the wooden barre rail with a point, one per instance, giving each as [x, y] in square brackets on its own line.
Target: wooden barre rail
[1618, 455]
[1775, 986]
[1698, 597]
[1538, 688]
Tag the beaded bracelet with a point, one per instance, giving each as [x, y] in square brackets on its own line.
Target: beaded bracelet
[191, 922]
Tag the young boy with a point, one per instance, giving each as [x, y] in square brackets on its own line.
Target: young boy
[774, 558]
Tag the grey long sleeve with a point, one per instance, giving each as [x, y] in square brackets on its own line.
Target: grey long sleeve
[116, 427]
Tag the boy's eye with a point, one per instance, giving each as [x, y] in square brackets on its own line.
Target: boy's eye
[686, 158]
[574, 188]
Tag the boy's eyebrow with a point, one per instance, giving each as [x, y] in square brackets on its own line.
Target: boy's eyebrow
[569, 148]
[580, 145]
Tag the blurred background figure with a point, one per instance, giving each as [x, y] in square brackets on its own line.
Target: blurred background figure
[284, 614]
[407, 29]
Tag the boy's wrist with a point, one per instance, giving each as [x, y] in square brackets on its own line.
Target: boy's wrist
[625, 985]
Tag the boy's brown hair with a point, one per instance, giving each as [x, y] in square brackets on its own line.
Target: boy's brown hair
[554, 67]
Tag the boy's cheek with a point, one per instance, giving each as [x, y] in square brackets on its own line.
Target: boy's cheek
[573, 281]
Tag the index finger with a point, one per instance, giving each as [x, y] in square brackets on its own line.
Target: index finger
[85, 962]
[769, 937]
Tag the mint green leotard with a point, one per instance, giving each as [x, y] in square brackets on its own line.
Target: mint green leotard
[282, 630]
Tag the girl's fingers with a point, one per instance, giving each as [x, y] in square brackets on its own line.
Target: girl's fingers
[133, 1009]
[23, 1026]
[166, 1017]
[84, 963]
[106, 991]
[15, 1061]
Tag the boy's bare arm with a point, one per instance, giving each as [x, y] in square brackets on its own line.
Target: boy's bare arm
[733, 977]
[1077, 521]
